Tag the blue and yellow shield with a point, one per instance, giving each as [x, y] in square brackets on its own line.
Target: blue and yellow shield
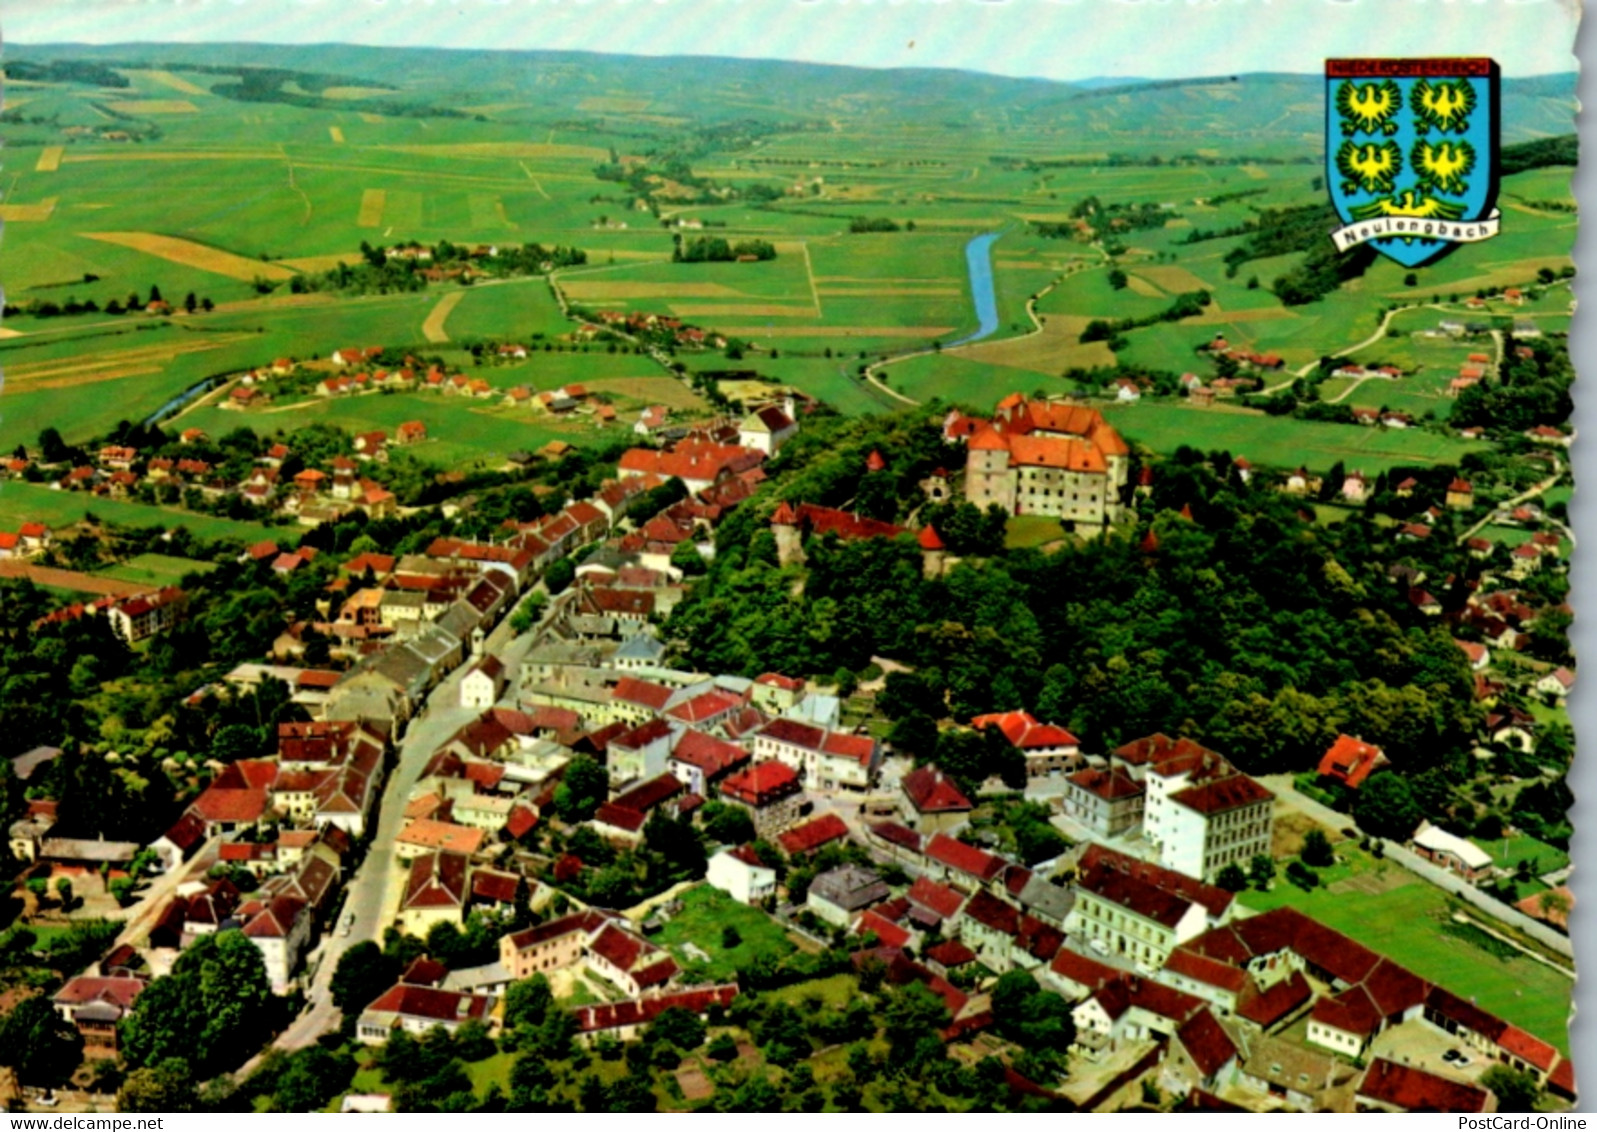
[1411, 154]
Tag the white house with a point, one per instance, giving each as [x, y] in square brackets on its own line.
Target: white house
[768, 429]
[739, 874]
[1558, 683]
[480, 688]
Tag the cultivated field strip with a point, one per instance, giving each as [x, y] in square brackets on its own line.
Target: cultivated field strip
[49, 159]
[57, 374]
[191, 254]
[155, 106]
[38, 211]
[372, 203]
[168, 79]
[433, 328]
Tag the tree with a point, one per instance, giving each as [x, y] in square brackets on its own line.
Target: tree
[39, 1044]
[1317, 850]
[1386, 807]
[190, 302]
[913, 1020]
[561, 573]
[1232, 878]
[212, 1009]
[686, 557]
[1261, 871]
[1516, 1091]
[584, 788]
[155, 293]
[165, 1087]
[680, 1027]
[52, 449]
[363, 973]
[730, 825]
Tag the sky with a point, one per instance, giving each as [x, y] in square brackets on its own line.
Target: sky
[1054, 39]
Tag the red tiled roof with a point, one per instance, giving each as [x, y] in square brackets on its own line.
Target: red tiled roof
[1211, 972]
[1222, 795]
[1214, 900]
[935, 897]
[932, 793]
[1350, 760]
[1266, 1008]
[1079, 968]
[762, 783]
[1122, 993]
[707, 753]
[896, 834]
[224, 805]
[1111, 785]
[1206, 1042]
[632, 690]
[636, 1012]
[846, 525]
[813, 834]
[1026, 731]
[620, 817]
[431, 1003]
[965, 858]
[889, 933]
[1414, 1090]
[1352, 1012]
[951, 953]
[989, 911]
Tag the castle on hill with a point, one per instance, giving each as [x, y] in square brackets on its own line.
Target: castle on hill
[1043, 458]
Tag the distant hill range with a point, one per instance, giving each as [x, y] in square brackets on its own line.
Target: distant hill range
[1110, 114]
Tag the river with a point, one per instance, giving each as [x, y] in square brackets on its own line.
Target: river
[979, 260]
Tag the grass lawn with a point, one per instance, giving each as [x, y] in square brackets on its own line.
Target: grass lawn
[1031, 530]
[1406, 922]
[834, 991]
[1510, 851]
[706, 912]
[158, 569]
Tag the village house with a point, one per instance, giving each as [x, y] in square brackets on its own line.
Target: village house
[839, 895]
[770, 791]
[1048, 748]
[931, 802]
[739, 873]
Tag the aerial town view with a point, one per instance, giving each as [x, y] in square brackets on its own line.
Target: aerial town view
[552, 580]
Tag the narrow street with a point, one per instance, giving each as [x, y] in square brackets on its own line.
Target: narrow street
[377, 881]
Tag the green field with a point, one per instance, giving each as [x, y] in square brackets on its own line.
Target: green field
[705, 913]
[157, 569]
[1282, 442]
[24, 502]
[1405, 922]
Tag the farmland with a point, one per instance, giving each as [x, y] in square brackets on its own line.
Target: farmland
[523, 162]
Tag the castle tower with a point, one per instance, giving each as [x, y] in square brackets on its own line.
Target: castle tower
[789, 540]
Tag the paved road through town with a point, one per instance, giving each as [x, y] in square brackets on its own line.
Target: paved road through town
[375, 882]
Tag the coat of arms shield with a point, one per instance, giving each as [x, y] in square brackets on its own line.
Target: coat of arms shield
[1411, 154]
